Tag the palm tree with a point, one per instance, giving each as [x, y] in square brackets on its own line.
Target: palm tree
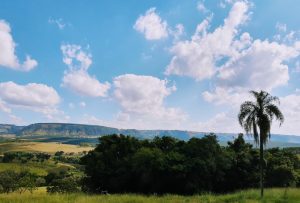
[256, 118]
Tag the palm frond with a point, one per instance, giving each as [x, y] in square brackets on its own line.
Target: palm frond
[255, 133]
[254, 116]
[254, 93]
[273, 111]
[245, 109]
[271, 99]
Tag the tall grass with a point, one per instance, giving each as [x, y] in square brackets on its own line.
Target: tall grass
[47, 147]
[248, 196]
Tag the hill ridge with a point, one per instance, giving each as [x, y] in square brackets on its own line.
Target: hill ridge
[93, 131]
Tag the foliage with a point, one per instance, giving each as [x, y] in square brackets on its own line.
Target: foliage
[67, 159]
[25, 157]
[64, 185]
[26, 182]
[166, 165]
[59, 153]
[8, 181]
[60, 180]
[11, 181]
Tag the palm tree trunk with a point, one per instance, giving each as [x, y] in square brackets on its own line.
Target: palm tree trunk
[261, 163]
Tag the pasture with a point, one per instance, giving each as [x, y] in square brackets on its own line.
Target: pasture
[290, 195]
[49, 147]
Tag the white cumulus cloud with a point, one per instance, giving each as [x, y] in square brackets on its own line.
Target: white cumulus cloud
[77, 78]
[197, 58]
[151, 25]
[8, 57]
[262, 66]
[36, 97]
[142, 101]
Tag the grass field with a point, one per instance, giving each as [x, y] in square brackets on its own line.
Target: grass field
[40, 169]
[250, 196]
[50, 147]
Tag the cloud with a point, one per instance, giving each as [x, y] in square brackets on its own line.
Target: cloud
[4, 107]
[224, 122]
[290, 107]
[225, 96]
[142, 101]
[234, 61]
[198, 57]
[151, 25]
[177, 32]
[8, 56]
[77, 78]
[74, 53]
[281, 27]
[32, 94]
[82, 83]
[36, 97]
[58, 22]
[201, 7]
[262, 66]
[227, 121]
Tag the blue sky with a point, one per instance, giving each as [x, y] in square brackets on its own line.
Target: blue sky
[168, 64]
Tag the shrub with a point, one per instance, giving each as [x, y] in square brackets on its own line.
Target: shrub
[64, 185]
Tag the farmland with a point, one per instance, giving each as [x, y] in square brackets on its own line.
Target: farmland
[49, 147]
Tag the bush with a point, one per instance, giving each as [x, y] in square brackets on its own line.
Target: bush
[8, 181]
[11, 181]
[64, 185]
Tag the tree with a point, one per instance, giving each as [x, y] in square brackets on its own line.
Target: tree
[64, 185]
[244, 165]
[8, 181]
[256, 118]
[26, 181]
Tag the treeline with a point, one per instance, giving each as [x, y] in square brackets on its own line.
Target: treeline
[124, 164]
[25, 157]
[11, 181]
[59, 179]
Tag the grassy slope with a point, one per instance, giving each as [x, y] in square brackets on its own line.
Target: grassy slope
[33, 168]
[249, 196]
[40, 169]
[50, 147]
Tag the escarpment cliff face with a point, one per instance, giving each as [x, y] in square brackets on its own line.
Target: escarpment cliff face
[70, 130]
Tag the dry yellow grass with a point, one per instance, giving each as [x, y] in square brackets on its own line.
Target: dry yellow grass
[49, 147]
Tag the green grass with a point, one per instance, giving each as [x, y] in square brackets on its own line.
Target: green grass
[40, 169]
[290, 195]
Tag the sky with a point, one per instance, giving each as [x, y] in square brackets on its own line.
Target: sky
[150, 64]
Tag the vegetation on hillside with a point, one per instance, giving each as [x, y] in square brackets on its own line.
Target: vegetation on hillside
[21, 171]
[124, 164]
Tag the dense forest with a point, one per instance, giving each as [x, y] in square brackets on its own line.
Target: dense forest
[124, 164]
